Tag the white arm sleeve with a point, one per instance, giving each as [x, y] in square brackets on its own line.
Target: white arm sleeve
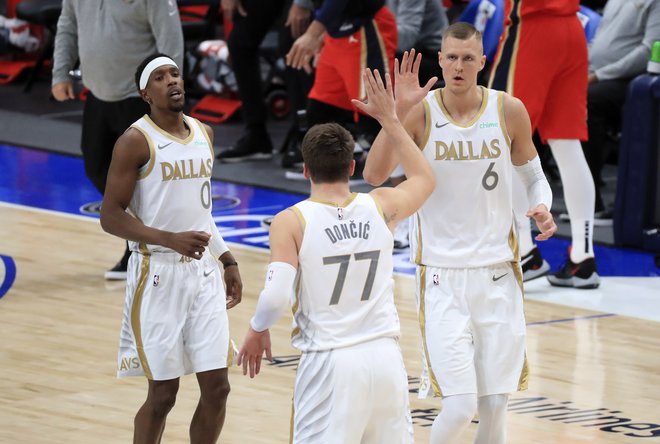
[538, 188]
[217, 243]
[275, 297]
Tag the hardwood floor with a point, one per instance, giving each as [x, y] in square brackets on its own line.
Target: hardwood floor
[59, 327]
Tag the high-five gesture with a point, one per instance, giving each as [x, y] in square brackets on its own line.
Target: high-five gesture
[380, 100]
[407, 91]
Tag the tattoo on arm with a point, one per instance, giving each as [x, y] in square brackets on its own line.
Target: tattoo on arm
[390, 217]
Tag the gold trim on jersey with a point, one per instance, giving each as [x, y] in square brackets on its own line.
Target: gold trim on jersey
[523, 382]
[296, 304]
[500, 113]
[427, 122]
[170, 136]
[514, 54]
[230, 353]
[378, 207]
[422, 325]
[482, 108]
[206, 136]
[346, 203]
[300, 216]
[152, 154]
[135, 315]
[517, 272]
[418, 254]
[293, 411]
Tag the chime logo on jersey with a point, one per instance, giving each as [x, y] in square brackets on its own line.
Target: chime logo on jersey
[467, 150]
[186, 169]
[156, 280]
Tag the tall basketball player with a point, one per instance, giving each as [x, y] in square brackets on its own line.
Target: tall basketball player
[469, 281]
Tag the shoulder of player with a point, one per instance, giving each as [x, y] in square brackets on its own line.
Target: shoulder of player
[133, 144]
[209, 130]
[284, 221]
[513, 106]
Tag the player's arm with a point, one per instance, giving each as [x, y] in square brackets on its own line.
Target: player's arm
[130, 153]
[400, 202]
[285, 239]
[383, 157]
[527, 164]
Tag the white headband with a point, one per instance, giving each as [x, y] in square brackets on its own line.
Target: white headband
[151, 67]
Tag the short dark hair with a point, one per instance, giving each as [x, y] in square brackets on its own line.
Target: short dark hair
[145, 62]
[462, 31]
[327, 151]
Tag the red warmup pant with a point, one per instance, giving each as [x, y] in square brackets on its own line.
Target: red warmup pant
[542, 60]
[338, 77]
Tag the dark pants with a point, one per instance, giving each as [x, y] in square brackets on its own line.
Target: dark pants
[605, 101]
[103, 123]
[244, 42]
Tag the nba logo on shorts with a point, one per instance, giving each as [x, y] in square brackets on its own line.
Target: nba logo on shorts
[340, 213]
[436, 279]
[270, 275]
[156, 280]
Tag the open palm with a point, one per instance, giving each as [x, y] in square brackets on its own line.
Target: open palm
[407, 91]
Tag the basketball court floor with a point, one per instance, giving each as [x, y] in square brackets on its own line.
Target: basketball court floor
[594, 354]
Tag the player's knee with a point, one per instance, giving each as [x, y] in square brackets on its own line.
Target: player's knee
[162, 398]
[217, 393]
[459, 409]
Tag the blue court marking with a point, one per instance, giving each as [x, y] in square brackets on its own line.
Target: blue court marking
[10, 274]
[57, 182]
[576, 318]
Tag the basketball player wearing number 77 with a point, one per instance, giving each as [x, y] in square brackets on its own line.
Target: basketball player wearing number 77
[351, 385]
[463, 239]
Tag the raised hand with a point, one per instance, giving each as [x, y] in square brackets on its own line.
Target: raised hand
[544, 221]
[407, 91]
[380, 99]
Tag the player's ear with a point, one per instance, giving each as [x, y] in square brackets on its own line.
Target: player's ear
[145, 96]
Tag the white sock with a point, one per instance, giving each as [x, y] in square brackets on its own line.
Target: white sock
[492, 419]
[523, 223]
[579, 194]
[456, 414]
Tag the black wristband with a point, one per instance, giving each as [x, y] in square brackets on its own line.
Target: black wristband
[229, 264]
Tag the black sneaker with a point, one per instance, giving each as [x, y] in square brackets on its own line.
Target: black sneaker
[252, 146]
[118, 272]
[533, 265]
[583, 275]
[292, 157]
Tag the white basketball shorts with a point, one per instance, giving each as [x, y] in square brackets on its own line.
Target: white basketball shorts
[352, 395]
[473, 329]
[175, 317]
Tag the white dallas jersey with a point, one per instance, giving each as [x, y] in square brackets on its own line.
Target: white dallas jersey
[344, 294]
[468, 220]
[173, 191]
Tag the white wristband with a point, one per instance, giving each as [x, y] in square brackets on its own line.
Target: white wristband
[217, 244]
[538, 188]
